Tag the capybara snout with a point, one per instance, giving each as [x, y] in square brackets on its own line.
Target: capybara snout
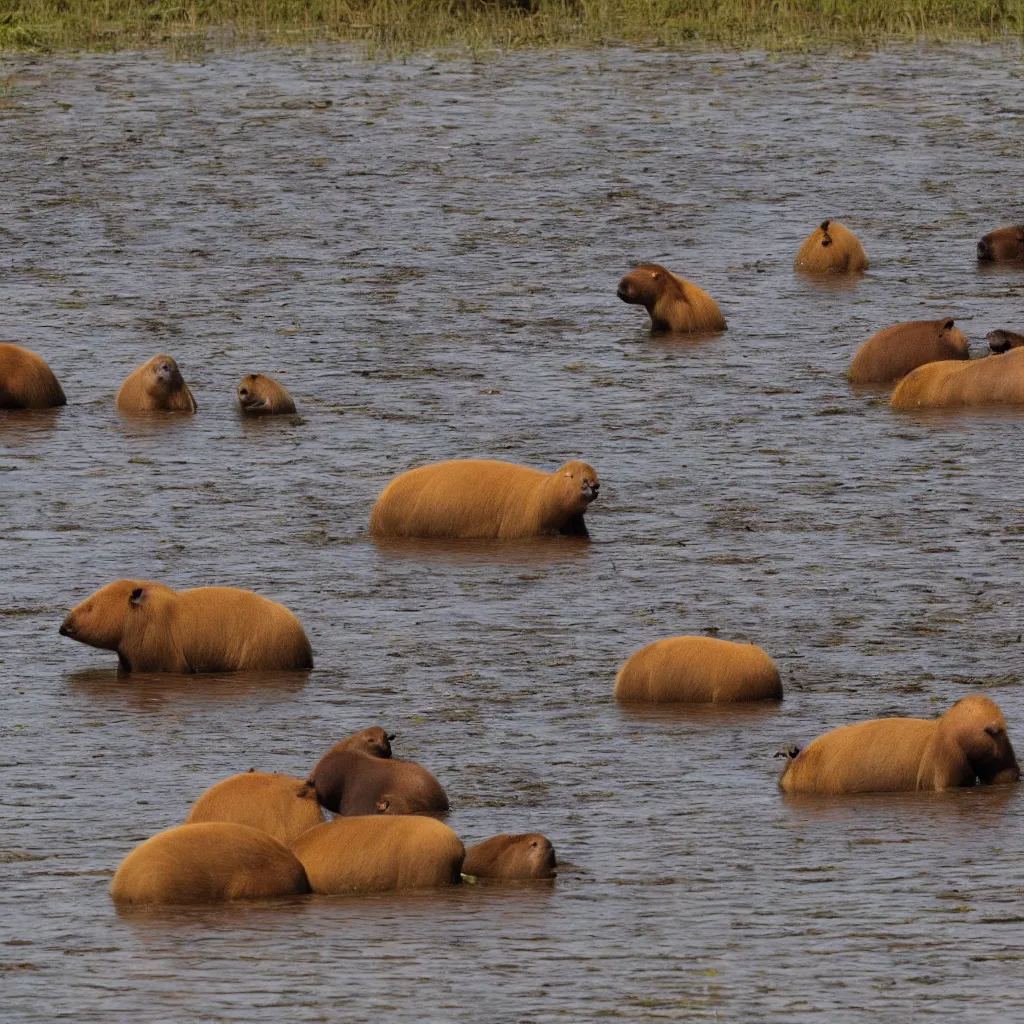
[1002, 340]
[1002, 245]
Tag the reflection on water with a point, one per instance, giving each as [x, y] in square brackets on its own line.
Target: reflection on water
[429, 263]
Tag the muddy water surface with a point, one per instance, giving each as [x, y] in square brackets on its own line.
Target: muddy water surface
[426, 254]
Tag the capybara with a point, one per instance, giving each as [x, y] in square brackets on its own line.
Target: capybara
[994, 380]
[698, 670]
[1002, 341]
[280, 805]
[894, 352]
[967, 744]
[26, 382]
[481, 498]
[261, 395]
[378, 854]
[374, 741]
[1002, 244]
[831, 249]
[207, 863]
[209, 629]
[156, 386]
[511, 857]
[349, 781]
[673, 303]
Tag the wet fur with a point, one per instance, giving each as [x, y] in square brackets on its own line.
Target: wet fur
[511, 857]
[698, 669]
[894, 352]
[831, 249]
[26, 382]
[1002, 245]
[1003, 340]
[995, 380]
[259, 395]
[209, 629]
[145, 390]
[673, 303]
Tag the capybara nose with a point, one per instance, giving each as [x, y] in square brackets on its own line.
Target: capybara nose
[243, 392]
[65, 629]
[997, 341]
[623, 292]
[984, 253]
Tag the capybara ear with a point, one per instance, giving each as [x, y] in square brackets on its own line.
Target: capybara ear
[825, 224]
[948, 325]
[137, 595]
[382, 805]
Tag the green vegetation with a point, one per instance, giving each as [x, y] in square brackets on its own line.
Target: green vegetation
[407, 25]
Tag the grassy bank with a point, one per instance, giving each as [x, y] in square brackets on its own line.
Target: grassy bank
[406, 25]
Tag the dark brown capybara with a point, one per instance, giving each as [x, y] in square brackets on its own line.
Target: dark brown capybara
[1002, 245]
[511, 857]
[895, 351]
[673, 303]
[26, 382]
[1003, 341]
[374, 741]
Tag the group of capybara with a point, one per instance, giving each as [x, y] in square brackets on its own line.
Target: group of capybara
[260, 835]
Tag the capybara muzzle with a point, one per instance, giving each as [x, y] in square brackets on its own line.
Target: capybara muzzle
[985, 250]
[67, 628]
[590, 490]
[624, 292]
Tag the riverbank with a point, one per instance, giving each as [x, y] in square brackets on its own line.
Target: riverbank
[395, 26]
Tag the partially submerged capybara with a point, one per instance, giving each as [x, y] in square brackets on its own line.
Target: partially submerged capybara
[379, 854]
[280, 805]
[894, 352]
[349, 781]
[262, 395]
[26, 382]
[698, 669]
[209, 629]
[374, 741]
[994, 380]
[673, 303]
[481, 498]
[207, 863]
[831, 248]
[1003, 341]
[968, 744]
[156, 386]
[511, 857]
[1003, 244]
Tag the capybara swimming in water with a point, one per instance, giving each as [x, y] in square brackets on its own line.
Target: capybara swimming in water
[379, 854]
[673, 303]
[481, 498]
[209, 629]
[968, 744]
[511, 857]
[156, 386]
[261, 395]
[1003, 341]
[279, 805]
[698, 669]
[994, 380]
[894, 352]
[208, 863]
[349, 781]
[831, 248]
[1002, 245]
[26, 382]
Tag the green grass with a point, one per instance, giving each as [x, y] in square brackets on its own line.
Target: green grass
[408, 25]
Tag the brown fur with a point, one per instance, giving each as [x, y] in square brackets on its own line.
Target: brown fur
[209, 629]
[673, 303]
[995, 380]
[1003, 341]
[380, 854]
[895, 351]
[967, 744]
[349, 782]
[156, 386]
[1002, 244]
[698, 669]
[831, 249]
[511, 857]
[480, 498]
[279, 805]
[374, 741]
[207, 863]
[26, 382]
[260, 395]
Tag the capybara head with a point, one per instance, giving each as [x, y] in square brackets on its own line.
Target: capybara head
[250, 396]
[579, 481]
[374, 741]
[100, 620]
[1002, 244]
[645, 284]
[506, 856]
[1003, 341]
[954, 340]
[977, 726]
[163, 376]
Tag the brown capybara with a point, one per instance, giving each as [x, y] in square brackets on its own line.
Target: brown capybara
[209, 629]
[349, 782]
[895, 351]
[831, 249]
[207, 863]
[156, 386]
[374, 741]
[481, 498]
[1003, 244]
[967, 744]
[279, 805]
[698, 670]
[673, 303]
[26, 382]
[994, 380]
[511, 857]
[380, 854]
[259, 395]
[1003, 341]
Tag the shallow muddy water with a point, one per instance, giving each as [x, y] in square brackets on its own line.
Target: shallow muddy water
[426, 254]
